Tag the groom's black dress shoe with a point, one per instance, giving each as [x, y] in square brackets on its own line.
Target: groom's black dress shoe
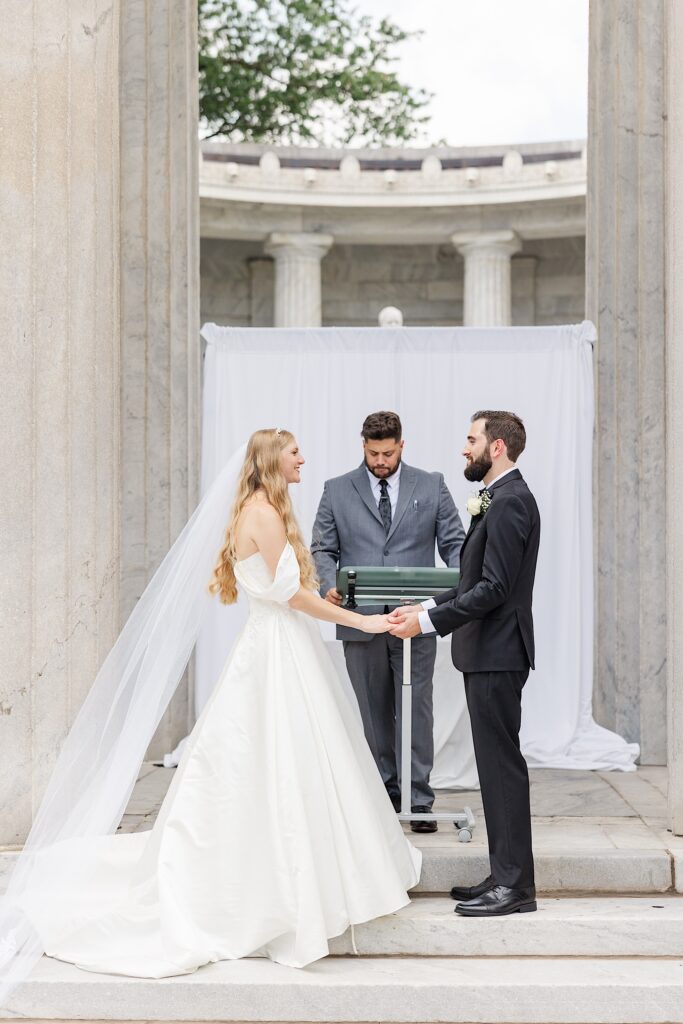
[422, 826]
[498, 901]
[464, 892]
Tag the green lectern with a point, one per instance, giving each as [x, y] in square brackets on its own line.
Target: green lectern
[394, 586]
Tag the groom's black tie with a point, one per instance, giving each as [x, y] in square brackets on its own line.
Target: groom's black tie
[385, 505]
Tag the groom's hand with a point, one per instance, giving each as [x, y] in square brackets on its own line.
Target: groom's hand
[400, 613]
[405, 622]
[333, 596]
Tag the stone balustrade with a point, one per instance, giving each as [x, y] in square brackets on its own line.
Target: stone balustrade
[230, 172]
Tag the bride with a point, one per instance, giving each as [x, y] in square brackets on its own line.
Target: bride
[276, 832]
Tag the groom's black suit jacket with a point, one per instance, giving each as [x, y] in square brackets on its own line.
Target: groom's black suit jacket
[489, 613]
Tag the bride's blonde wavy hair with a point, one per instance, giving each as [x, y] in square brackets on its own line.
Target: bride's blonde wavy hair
[262, 470]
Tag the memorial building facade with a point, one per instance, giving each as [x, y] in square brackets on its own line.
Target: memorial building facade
[310, 237]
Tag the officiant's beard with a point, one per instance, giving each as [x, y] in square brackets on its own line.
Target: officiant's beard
[384, 472]
[478, 468]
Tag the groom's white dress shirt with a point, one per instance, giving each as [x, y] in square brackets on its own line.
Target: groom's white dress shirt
[425, 621]
[392, 487]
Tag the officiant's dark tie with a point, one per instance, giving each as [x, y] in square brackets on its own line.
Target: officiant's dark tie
[385, 505]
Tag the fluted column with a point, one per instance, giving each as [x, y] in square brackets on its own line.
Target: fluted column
[160, 348]
[487, 255]
[298, 296]
[625, 299]
[59, 415]
[674, 405]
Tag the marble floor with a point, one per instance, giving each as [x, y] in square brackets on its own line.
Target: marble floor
[576, 810]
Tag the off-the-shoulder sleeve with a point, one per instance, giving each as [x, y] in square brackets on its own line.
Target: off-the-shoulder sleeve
[287, 578]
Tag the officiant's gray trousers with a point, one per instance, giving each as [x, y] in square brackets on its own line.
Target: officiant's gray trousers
[375, 668]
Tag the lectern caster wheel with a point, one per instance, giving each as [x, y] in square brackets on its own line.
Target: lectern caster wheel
[464, 835]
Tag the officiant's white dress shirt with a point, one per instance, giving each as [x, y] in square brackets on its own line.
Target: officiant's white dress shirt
[392, 487]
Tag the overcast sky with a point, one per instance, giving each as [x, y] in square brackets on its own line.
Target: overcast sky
[502, 70]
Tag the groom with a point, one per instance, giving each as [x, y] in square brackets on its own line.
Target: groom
[489, 615]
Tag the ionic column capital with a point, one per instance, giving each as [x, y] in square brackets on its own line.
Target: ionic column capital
[298, 244]
[506, 242]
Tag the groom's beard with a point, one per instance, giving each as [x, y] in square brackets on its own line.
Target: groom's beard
[478, 468]
[383, 473]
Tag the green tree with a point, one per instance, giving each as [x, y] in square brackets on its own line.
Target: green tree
[303, 71]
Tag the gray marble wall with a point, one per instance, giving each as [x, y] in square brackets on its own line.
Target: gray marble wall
[425, 282]
[226, 278]
[625, 299]
[559, 279]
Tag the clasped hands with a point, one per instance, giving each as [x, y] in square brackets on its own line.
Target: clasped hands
[403, 622]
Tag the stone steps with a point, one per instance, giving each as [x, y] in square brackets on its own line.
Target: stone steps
[562, 927]
[606, 944]
[646, 870]
[586, 871]
[389, 989]
[580, 959]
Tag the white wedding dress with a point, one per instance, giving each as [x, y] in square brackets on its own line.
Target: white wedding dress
[275, 835]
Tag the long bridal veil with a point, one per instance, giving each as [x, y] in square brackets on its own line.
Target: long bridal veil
[101, 756]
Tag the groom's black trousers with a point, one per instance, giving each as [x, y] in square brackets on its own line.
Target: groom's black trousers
[494, 701]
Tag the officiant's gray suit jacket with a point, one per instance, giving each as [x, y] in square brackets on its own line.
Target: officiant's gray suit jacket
[348, 529]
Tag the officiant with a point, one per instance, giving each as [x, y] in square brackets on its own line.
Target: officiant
[386, 512]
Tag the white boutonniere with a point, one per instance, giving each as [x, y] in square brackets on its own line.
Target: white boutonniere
[478, 505]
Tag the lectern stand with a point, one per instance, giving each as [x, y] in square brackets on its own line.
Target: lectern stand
[394, 586]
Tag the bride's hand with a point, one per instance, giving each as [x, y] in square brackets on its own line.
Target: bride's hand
[375, 623]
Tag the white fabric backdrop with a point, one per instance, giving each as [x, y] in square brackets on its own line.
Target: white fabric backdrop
[321, 383]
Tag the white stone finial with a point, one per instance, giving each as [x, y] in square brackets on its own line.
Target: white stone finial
[349, 167]
[270, 164]
[390, 177]
[310, 176]
[471, 176]
[390, 316]
[232, 170]
[431, 168]
[550, 169]
[512, 163]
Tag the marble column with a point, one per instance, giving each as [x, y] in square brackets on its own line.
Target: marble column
[160, 348]
[487, 255]
[60, 413]
[625, 300]
[298, 298]
[674, 406]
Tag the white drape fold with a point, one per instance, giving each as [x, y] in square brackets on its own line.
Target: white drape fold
[321, 383]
